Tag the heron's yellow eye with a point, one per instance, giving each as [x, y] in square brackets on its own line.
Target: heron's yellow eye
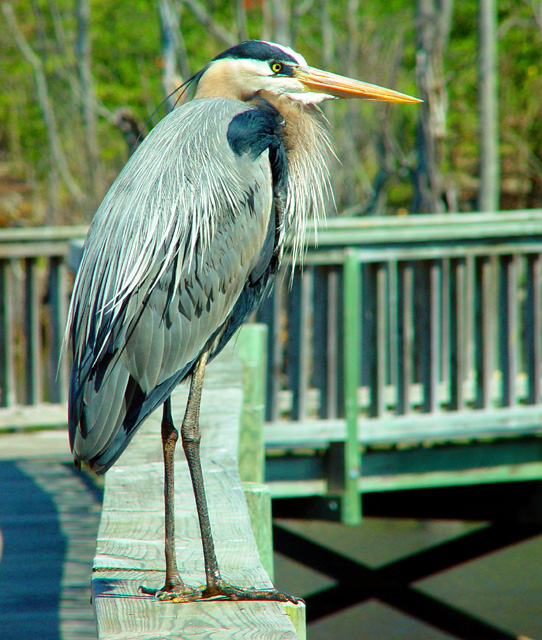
[276, 67]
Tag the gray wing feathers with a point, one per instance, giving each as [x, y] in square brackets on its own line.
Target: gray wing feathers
[167, 256]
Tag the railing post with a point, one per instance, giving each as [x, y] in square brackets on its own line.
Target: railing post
[57, 297]
[251, 342]
[251, 348]
[7, 333]
[351, 506]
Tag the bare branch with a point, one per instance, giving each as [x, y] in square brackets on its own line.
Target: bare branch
[241, 15]
[205, 19]
[45, 104]
[169, 23]
[83, 59]
[280, 12]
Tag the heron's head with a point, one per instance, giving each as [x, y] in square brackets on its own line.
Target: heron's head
[257, 68]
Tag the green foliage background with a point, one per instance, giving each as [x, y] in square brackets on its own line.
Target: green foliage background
[377, 46]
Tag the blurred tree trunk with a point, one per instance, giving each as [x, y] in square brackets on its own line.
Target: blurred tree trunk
[328, 37]
[281, 20]
[241, 18]
[56, 152]
[169, 27]
[207, 20]
[433, 22]
[488, 110]
[88, 102]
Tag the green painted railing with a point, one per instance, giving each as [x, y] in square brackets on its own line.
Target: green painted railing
[405, 332]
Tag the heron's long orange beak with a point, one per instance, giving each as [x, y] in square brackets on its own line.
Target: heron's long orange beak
[341, 87]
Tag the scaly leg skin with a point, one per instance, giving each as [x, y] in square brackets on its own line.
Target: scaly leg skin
[173, 584]
[175, 590]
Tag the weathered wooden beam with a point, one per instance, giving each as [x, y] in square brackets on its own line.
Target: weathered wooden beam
[7, 346]
[352, 305]
[130, 539]
[412, 428]
[251, 344]
[39, 416]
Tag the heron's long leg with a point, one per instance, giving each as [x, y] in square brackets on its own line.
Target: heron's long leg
[173, 583]
[191, 437]
[170, 435]
[174, 588]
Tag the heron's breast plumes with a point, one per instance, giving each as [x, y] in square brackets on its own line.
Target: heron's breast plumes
[308, 149]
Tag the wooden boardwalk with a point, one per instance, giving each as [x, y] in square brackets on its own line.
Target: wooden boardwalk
[49, 515]
[130, 539]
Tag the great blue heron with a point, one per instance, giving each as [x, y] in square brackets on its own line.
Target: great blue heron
[183, 248]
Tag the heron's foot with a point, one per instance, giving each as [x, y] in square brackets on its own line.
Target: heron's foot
[176, 591]
[220, 590]
[223, 590]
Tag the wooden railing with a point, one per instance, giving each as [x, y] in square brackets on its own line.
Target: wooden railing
[407, 329]
[450, 316]
[34, 290]
[418, 329]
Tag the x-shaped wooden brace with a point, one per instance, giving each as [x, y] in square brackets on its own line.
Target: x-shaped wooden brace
[391, 582]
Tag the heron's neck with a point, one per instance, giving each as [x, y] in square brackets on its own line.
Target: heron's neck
[308, 149]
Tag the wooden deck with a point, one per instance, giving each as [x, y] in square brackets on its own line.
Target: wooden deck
[130, 539]
[49, 516]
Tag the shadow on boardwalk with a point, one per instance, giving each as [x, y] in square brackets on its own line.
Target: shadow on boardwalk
[49, 519]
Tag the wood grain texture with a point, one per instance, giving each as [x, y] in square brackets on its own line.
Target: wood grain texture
[130, 546]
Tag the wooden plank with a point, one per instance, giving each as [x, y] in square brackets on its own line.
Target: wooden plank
[334, 315]
[382, 333]
[32, 325]
[352, 304]
[483, 332]
[44, 415]
[470, 321]
[419, 252]
[41, 444]
[321, 337]
[356, 230]
[427, 228]
[270, 314]
[57, 299]
[533, 328]
[430, 293]
[478, 475]
[130, 540]
[445, 337]
[339, 318]
[377, 342]
[298, 308]
[39, 235]
[7, 335]
[251, 345]
[508, 328]
[369, 330]
[413, 428]
[258, 499]
[392, 314]
[406, 338]
[458, 332]
[34, 250]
